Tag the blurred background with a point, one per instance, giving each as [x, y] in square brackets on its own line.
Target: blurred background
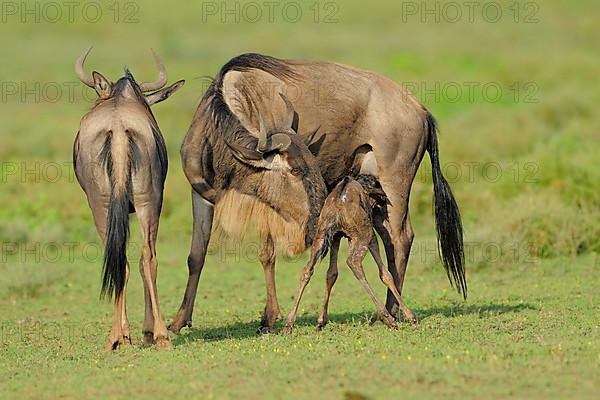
[513, 84]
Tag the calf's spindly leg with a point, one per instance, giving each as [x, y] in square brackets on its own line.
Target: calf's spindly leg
[304, 279]
[388, 280]
[332, 274]
[358, 250]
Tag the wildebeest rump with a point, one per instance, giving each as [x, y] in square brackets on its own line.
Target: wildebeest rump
[354, 116]
[120, 161]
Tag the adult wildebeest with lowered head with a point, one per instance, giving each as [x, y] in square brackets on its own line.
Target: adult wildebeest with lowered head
[120, 161]
[362, 120]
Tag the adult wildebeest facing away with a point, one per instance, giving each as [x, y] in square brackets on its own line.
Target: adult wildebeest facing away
[349, 211]
[120, 161]
[360, 118]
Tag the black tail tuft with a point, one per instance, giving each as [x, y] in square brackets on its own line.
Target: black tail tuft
[447, 217]
[115, 250]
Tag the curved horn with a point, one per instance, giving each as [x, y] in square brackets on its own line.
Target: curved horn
[162, 76]
[289, 111]
[248, 156]
[83, 77]
[262, 134]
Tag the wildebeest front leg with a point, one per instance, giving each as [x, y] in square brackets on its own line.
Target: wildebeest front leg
[271, 312]
[388, 280]
[203, 218]
[357, 254]
[332, 274]
[304, 279]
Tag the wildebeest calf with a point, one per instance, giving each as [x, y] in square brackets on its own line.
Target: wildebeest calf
[349, 211]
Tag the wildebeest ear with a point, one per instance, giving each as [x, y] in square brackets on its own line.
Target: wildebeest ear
[280, 142]
[102, 85]
[315, 146]
[164, 93]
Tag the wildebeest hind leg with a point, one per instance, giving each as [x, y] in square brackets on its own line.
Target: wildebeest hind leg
[332, 274]
[148, 218]
[317, 248]
[387, 279]
[118, 335]
[399, 228]
[357, 254]
[125, 333]
[384, 232]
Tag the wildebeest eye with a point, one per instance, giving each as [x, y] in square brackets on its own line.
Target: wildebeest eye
[296, 171]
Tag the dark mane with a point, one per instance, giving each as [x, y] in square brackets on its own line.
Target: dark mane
[245, 62]
[218, 109]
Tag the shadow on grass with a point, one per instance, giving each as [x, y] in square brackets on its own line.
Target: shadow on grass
[244, 330]
[482, 311]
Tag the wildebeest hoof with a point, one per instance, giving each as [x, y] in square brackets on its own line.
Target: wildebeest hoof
[287, 330]
[163, 343]
[148, 338]
[411, 318]
[388, 320]
[176, 326]
[378, 319]
[112, 344]
[265, 330]
[125, 341]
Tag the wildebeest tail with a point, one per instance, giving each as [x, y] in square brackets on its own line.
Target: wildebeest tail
[447, 216]
[119, 156]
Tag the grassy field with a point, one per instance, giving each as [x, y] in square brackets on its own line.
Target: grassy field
[519, 148]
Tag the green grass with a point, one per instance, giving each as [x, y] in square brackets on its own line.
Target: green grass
[529, 330]
[530, 327]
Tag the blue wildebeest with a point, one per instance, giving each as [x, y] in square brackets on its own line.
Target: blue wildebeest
[240, 148]
[120, 161]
